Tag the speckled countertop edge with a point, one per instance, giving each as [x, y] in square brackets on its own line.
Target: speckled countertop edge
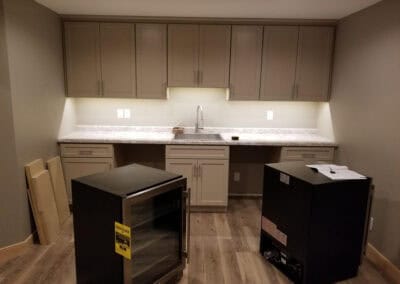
[163, 135]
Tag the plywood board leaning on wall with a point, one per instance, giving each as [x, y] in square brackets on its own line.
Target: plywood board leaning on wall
[43, 196]
[31, 170]
[60, 191]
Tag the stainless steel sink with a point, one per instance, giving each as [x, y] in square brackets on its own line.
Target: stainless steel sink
[198, 136]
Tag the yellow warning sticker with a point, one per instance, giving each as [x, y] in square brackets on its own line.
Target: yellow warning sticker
[122, 240]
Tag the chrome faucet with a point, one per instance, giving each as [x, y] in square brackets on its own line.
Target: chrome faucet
[199, 119]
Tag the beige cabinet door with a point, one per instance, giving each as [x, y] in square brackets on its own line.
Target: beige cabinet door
[214, 56]
[183, 55]
[314, 62]
[151, 61]
[245, 71]
[212, 182]
[82, 55]
[79, 167]
[187, 168]
[279, 63]
[117, 41]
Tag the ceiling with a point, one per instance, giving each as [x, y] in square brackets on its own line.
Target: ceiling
[268, 9]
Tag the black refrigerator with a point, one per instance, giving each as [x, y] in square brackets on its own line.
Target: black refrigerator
[313, 228]
[130, 226]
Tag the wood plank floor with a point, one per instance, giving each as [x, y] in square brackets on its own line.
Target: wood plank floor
[223, 249]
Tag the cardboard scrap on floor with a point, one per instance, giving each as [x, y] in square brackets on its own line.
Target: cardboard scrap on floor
[42, 191]
[32, 169]
[59, 188]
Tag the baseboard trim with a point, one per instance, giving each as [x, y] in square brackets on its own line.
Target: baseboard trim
[385, 267]
[245, 195]
[208, 209]
[14, 249]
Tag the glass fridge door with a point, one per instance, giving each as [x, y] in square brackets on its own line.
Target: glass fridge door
[157, 232]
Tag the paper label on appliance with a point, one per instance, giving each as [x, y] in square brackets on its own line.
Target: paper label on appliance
[122, 240]
[284, 178]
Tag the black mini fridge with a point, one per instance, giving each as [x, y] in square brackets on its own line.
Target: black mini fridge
[313, 228]
[130, 226]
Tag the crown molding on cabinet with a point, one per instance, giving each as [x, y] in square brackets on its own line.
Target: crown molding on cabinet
[200, 20]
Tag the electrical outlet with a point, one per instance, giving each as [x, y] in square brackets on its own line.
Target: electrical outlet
[371, 223]
[127, 113]
[120, 113]
[270, 115]
[236, 176]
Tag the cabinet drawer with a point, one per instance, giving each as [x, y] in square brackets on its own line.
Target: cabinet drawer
[307, 154]
[87, 150]
[197, 152]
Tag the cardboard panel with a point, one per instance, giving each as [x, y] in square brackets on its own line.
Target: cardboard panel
[60, 192]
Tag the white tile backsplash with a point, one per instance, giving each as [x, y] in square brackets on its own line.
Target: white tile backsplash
[180, 109]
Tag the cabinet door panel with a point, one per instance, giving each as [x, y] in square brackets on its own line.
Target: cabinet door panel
[213, 182]
[151, 52]
[245, 71]
[183, 45]
[118, 60]
[82, 55]
[279, 63]
[215, 44]
[77, 167]
[314, 63]
[187, 168]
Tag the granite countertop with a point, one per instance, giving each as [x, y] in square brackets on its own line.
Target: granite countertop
[163, 135]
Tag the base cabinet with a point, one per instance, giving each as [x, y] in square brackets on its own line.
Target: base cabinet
[207, 177]
[307, 154]
[85, 159]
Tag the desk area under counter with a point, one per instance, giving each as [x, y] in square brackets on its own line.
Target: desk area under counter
[215, 169]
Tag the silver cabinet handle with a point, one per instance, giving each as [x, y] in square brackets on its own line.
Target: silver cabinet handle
[188, 224]
[293, 91]
[296, 91]
[200, 77]
[85, 152]
[99, 88]
[164, 87]
[309, 155]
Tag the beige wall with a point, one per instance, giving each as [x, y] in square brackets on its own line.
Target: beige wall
[12, 202]
[33, 38]
[365, 108]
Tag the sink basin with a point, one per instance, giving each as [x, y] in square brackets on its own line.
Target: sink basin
[198, 136]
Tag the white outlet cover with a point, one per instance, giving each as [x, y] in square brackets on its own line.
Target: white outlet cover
[120, 113]
[236, 176]
[127, 113]
[270, 115]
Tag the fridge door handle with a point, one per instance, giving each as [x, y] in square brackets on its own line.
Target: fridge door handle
[187, 228]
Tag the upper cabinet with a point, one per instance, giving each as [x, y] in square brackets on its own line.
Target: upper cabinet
[151, 60]
[126, 60]
[117, 43]
[314, 63]
[183, 55]
[215, 49]
[100, 59]
[245, 71]
[82, 55]
[198, 55]
[279, 63]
